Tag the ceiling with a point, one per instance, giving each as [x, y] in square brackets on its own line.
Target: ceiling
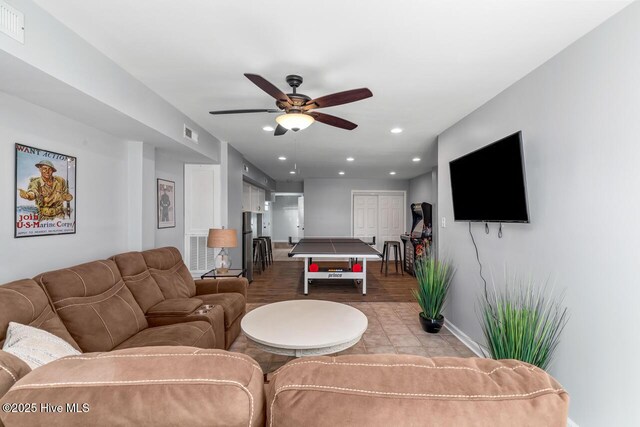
[428, 64]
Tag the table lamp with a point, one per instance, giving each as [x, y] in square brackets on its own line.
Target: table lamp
[222, 238]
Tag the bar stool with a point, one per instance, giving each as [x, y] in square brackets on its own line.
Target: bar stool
[268, 258]
[269, 249]
[386, 249]
[259, 257]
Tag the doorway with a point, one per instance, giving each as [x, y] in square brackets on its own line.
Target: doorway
[287, 217]
[378, 213]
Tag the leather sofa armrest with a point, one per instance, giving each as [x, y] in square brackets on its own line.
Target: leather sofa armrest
[11, 370]
[218, 286]
[144, 386]
[174, 307]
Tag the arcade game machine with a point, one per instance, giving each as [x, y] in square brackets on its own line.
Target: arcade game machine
[419, 240]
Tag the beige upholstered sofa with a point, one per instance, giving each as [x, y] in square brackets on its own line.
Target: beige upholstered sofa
[150, 359]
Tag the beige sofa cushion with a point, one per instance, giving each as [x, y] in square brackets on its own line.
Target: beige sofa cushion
[386, 390]
[23, 301]
[94, 304]
[151, 386]
[35, 346]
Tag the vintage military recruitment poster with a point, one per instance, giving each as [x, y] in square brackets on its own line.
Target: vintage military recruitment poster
[166, 203]
[45, 192]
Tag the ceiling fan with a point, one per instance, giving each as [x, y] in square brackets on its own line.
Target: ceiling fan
[298, 107]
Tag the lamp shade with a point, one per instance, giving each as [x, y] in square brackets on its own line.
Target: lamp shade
[222, 238]
[295, 121]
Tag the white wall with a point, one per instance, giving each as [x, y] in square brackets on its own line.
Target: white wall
[579, 116]
[59, 52]
[101, 191]
[327, 203]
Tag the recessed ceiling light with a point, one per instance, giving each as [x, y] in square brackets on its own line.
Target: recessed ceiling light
[268, 129]
[341, 173]
[392, 173]
[350, 159]
[416, 159]
[282, 158]
[292, 172]
[396, 130]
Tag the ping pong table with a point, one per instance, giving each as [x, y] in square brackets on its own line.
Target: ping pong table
[334, 248]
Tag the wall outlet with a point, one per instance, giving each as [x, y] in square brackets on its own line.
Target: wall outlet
[444, 222]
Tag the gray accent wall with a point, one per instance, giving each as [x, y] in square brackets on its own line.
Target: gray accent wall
[234, 201]
[579, 117]
[327, 202]
[284, 215]
[167, 167]
[290, 186]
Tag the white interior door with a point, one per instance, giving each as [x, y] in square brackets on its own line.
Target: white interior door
[300, 217]
[365, 216]
[391, 223]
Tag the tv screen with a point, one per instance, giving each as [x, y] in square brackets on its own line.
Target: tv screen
[489, 184]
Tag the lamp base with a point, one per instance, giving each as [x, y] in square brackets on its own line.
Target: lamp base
[222, 262]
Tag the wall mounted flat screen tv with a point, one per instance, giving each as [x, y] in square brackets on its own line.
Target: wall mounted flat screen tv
[489, 185]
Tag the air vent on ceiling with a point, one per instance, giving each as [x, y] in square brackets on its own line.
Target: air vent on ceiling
[190, 134]
[11, 22]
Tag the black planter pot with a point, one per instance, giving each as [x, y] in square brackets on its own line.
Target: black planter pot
[432, 326]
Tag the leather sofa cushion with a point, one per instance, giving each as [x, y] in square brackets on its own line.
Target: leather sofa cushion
[11, 370]
[385, 390]
[194, 334]
[175, 307]
[94, 304]
[24, 302]
[169, 272]
[233, 304]
[138, 279]
[152, 386]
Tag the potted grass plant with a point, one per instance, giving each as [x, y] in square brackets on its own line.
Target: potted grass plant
[523, 321]
[434, 279]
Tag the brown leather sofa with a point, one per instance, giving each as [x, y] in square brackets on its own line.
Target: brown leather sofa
[186, 386]
[167, 293]
[146, 363]
[402, 390]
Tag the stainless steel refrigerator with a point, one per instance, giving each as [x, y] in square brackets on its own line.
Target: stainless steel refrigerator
[247, 246]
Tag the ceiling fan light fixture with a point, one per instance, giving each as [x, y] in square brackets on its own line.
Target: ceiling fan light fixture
[295, 121]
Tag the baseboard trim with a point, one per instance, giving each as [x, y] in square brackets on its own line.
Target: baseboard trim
[466, 340]
[477, 349]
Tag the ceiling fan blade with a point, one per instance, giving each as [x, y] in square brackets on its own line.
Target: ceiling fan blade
[330, 120]
[339, 98]
[270, 110]
[268, 87]
[280, 130]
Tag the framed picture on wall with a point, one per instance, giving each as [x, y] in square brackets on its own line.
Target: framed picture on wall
[45, 193]
[166, 203]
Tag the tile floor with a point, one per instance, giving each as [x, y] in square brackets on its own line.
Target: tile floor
[393, 328]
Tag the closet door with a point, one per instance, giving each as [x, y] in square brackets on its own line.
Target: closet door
[365, 216]
[391, 224]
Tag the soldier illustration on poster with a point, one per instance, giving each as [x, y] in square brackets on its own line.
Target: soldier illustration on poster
[166, 203]
[45, 192]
